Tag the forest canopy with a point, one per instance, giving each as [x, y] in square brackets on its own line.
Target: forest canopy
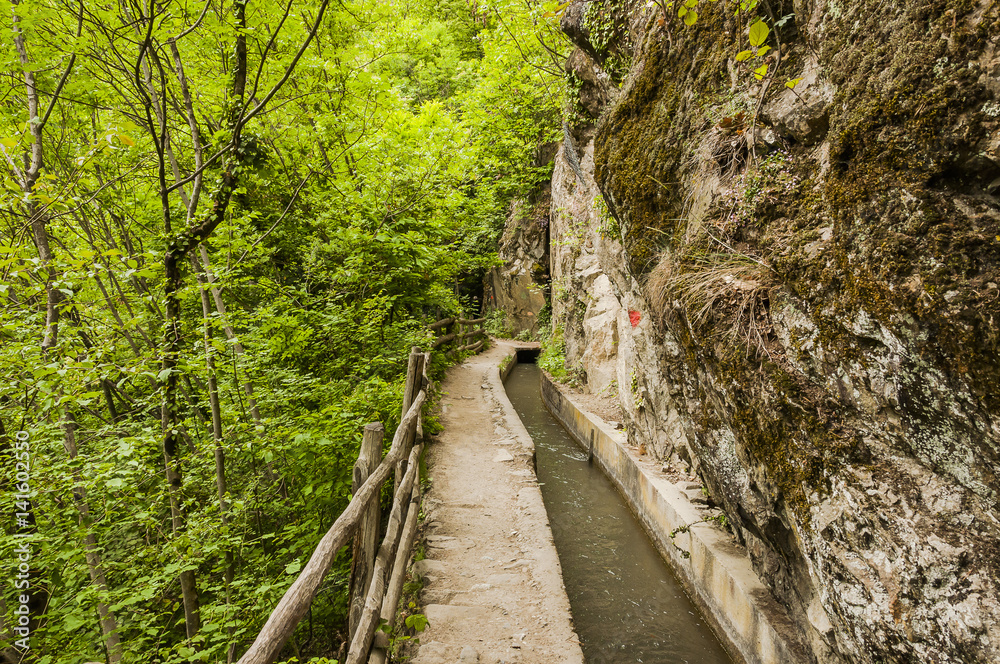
[223, 225]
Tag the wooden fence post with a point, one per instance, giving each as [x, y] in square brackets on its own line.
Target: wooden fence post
[377, 570]
[366, 538]
[414, 378]
[394, 586]
[295, 602]
[361, 643]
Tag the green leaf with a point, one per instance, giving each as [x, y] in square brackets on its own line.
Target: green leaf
[758, 33]
[417, 622]
[293, 567]
[743, 55]
[762, 50]
[690, 17]
[780, 23]
[73, 622]
[791, 83]
[760, 72]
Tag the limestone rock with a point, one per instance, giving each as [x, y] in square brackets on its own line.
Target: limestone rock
[468, 656]
[600, 326]
[841, 406]
[503, 455]
[517, 287]
[444, 613]
[429, 569]
[574, 26]
[596, 88]
[802, 112]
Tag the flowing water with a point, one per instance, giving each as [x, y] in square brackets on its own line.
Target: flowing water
[627, 605]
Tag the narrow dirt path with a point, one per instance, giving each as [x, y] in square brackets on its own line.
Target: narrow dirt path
[493, 590]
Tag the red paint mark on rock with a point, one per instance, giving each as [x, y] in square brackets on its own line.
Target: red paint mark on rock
[634, 317]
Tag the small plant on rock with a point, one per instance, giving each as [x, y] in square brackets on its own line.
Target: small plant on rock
[553, 356]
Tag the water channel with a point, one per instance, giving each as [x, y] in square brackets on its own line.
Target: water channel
[627, 605]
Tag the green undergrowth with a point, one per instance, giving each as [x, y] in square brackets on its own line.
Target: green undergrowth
[378, 158]
[552, 359]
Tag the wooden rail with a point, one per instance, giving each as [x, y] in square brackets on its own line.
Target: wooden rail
[377, 578]
[440, 341]
[445, 322]
[460, 333]
[377, 570]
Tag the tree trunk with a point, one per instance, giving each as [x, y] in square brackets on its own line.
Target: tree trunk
[38, 221]
[109, 626]
[220, 453]
[220, 308]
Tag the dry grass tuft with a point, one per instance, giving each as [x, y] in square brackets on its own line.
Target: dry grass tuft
[721, 290]
[726, 290]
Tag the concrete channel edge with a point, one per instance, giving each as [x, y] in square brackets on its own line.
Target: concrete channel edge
[715, 573]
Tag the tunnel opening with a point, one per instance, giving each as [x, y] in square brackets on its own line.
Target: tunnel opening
[527, 355]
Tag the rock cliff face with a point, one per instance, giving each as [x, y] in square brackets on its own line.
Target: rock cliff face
[796, 294]
[517, 287]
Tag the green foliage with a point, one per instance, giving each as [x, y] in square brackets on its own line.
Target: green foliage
[719, 519]
[544, 319]
[368, 192]
[417, 622]
[637, 395]
[608, 225]
[496, 324]
[514, 108]
[553, 356]
[607, 24]
[412, 622]
[758, 33]
[757, 30]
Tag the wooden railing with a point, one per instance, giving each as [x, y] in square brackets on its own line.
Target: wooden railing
[456, 331]
[377, 570]
[377, 574]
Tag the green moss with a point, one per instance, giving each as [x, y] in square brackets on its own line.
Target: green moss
[901, 153]
[643, 144]
[903, 134]
[881, 241]
[606, 22]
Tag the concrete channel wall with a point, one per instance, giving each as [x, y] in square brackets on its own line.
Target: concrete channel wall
[715, 573]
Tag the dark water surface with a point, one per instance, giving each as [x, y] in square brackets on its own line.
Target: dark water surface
[627, 605]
